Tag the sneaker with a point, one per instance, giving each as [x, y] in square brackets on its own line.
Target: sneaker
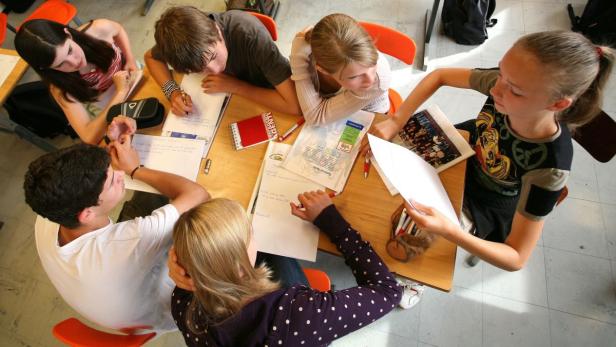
[412, 293]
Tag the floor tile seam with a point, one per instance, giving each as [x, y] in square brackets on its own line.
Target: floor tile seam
[519, 301]
[585, 317]
[570, 251]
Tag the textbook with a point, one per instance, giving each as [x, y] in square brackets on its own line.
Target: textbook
[253, 131]
[431, 136]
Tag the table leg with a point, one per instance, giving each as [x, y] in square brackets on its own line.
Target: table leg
[428, 29]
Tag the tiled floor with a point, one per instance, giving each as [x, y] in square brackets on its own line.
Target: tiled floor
[566, 295]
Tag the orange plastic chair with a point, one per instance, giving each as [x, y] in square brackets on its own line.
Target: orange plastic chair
[318, 280]
[393, 43]
[3, 22]
[55, 10]
[269, 24]
[76, 334]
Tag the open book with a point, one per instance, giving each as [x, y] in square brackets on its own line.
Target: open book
[430, 134]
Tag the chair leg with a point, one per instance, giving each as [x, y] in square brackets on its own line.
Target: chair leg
[77, 21]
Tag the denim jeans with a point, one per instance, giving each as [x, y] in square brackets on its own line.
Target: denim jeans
[284, 269]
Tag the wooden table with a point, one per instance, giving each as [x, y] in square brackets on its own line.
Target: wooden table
[365, 203]
[14, 77]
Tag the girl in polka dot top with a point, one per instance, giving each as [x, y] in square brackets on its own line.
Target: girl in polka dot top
[235, 304]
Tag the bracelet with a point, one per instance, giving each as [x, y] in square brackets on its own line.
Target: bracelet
[134, 170]
[169, 87]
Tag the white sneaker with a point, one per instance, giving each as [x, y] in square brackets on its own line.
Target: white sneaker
[412, 293]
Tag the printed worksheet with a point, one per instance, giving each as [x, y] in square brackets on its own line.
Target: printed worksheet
[412, 176]
[202, 122]
[276, 230]
[325, 154]
[175, 155]
[7, 64]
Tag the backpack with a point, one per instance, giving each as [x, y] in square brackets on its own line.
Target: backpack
[32, 106]
[466, 20]
[266, 7]
[597, 21]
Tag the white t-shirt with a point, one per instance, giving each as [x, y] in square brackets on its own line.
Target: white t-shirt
[115, 276]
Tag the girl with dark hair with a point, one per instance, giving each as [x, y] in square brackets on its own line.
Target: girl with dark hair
[79, 65]
[545, 86]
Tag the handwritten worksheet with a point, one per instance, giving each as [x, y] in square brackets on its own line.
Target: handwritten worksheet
[202, 122]
[179, 156]
[276, 230]
[7, 64]
[325, 153]
[413, 177]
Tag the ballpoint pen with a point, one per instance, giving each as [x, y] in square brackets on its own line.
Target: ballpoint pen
[366, 165]
[208, 164]
[184, 99]
[291, 129]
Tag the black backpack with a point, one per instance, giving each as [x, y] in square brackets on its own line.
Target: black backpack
[32, 106]
[466, 20]
[598, 21]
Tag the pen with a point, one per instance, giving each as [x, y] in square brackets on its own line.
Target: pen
[330, 194]
[404, 226]
[400, 221]
[366, 166]
[184, 99]
[208, 164]
[291, 129]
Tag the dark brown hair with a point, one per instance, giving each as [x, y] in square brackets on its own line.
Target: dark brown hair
[182, 35]
[36, 43]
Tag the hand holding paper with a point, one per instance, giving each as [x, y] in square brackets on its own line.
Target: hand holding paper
[430, 220]
[414, 178]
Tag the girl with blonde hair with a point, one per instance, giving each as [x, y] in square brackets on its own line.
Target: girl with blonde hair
[234, 304]
[547, 84]
[337, 70]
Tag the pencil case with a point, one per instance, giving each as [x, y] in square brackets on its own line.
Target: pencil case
[147, 112]
[410, 243]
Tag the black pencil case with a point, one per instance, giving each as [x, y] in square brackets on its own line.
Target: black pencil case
[146, 112]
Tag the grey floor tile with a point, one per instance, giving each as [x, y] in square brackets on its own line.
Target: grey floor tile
[168, 339]
[400, 322]
[451, 319]
[572, 330]
[582, 183]
[527, 285]
[577, 226]
[465, 276]
[368, 337]
[609, 218]
[581, 285]
[606, 180]
[512, 323]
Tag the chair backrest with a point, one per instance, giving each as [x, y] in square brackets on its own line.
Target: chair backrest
[317, 279]
[391, 42]
[54, 10]
[3, 23]
[598, 137]
[269, 24]
[76, 334]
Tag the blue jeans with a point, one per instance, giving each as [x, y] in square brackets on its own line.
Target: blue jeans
[284, 269]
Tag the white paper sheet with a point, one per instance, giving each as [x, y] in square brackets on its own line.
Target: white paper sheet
[7, 64]
[319, 154]
[203, 121]
[276, 230]
[179, 156]
[414, 178]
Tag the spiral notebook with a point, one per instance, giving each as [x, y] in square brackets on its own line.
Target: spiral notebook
[253, 131]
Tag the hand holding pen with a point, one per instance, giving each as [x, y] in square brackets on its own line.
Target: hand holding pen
[311, 204]
[181, 103]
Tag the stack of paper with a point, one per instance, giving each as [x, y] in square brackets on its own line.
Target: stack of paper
[175, 155]
[276, 230]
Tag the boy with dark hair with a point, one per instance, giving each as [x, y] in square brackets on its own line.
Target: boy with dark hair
[114, 274]
[233, 48]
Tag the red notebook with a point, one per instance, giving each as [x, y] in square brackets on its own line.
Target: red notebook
[254, 130]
